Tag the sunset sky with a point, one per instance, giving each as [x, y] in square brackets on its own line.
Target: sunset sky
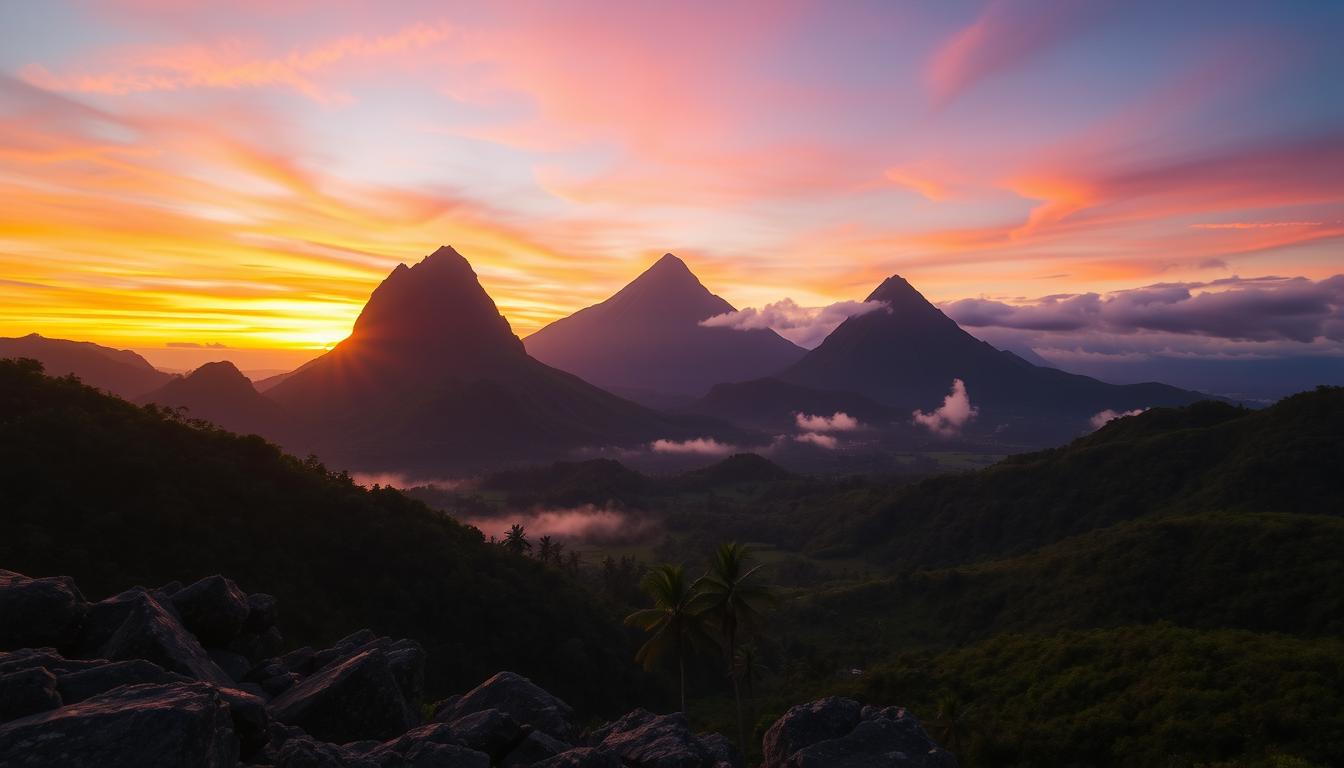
[1083, 178]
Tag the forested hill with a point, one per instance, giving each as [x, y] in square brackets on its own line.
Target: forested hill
[1206, 457]
[117, 495]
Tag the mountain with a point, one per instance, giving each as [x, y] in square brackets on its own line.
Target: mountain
[433, 378]
[908, 356]
[115, 495]
[119, 371]
[220, 393]
[646, 341]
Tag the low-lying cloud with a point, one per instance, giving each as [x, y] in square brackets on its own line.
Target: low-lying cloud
[1238, 309]
[955, 412]
[1102, 418]
[804, 326]
[838, 422]
[700, 446]
[587, 523]
[829, 442]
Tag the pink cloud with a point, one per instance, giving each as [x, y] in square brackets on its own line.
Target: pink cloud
[839, 422]
[948, 419]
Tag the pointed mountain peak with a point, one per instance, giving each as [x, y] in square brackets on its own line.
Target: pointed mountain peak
[669, 271]
[897, 291]
[670, 262]
[435, 305]
[222, 372]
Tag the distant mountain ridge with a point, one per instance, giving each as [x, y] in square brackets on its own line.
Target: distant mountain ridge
[119, 371]
[647, 338]
[432, 377]
[907, 358]
[218, 392]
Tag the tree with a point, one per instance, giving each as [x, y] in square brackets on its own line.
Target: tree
[545, 548]
[516, 540]
[676, 624]
[733, 603]
[574, 562]
[558, 554]
[948, 725]
[749, 666]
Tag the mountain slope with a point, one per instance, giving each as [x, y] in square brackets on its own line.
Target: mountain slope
[648, 338]
[1209, 457]
[116, 495]
[119, 371]
[433, 378]
[908, 356]
[220, 393]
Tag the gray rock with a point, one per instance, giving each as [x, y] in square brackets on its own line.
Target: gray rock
[534, 748]
[489, 731]
[251, 722]
[39, 612]
[807, 724]
[235, 665]
[262, 612]
[141, 726]
[105, 617]
[303, 752]
[645, 740]
[722, 752]
[213, 609]
[355, 699]
[838, 733]
[27, 692]
[521, 699]
[429, 746]
[49, 658]
[150, 632]
[581, 757]
[86, 683]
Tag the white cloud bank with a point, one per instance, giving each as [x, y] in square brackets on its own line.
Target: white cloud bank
[700, 446]
[804, 326]
[839, 422]
[1101, 418]
[954, 414]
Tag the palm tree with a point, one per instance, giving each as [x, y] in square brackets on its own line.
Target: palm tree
[676, 624]
[516, 540]
[558, 554]
[545, 548]
[749, 667]
[948, 725]
[733, 603]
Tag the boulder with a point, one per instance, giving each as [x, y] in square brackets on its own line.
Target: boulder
[303, 752]
[646, 740]
[39, 612]
[86, 683]
[534, 748]
[807, 724]
[489, 731]
[213, 609]
[354, 699]
[33, 658]
[838, 733]
[521, 699]
[27, 692]
[105, 617]
[151, 632]
[251, 722]
[262, 612]
[140, 726]
[581, 757]
[722, 752]
[235, 665]
[428, 746]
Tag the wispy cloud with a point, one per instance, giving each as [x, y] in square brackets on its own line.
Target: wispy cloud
[701, 446]
[1102, 418]
[837, 422]
[804, 326]
[948, 419]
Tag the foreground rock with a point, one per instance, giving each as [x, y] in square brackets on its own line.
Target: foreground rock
[521, 699]
[39, 612]
[840, 733]
[139, 726]
[645, 740]
[351, 699]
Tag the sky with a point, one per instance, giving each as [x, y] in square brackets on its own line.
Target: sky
[181, 177]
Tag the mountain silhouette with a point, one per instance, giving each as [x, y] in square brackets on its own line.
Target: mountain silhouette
[907, 356]
[647, 339]
[432, 377]
[119, 371]
[220, 393]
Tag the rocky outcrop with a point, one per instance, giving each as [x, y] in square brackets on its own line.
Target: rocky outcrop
[39, 612]
[840, 733]
[520, 699]
[644, 740]
[192, 675]
[137, 726]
